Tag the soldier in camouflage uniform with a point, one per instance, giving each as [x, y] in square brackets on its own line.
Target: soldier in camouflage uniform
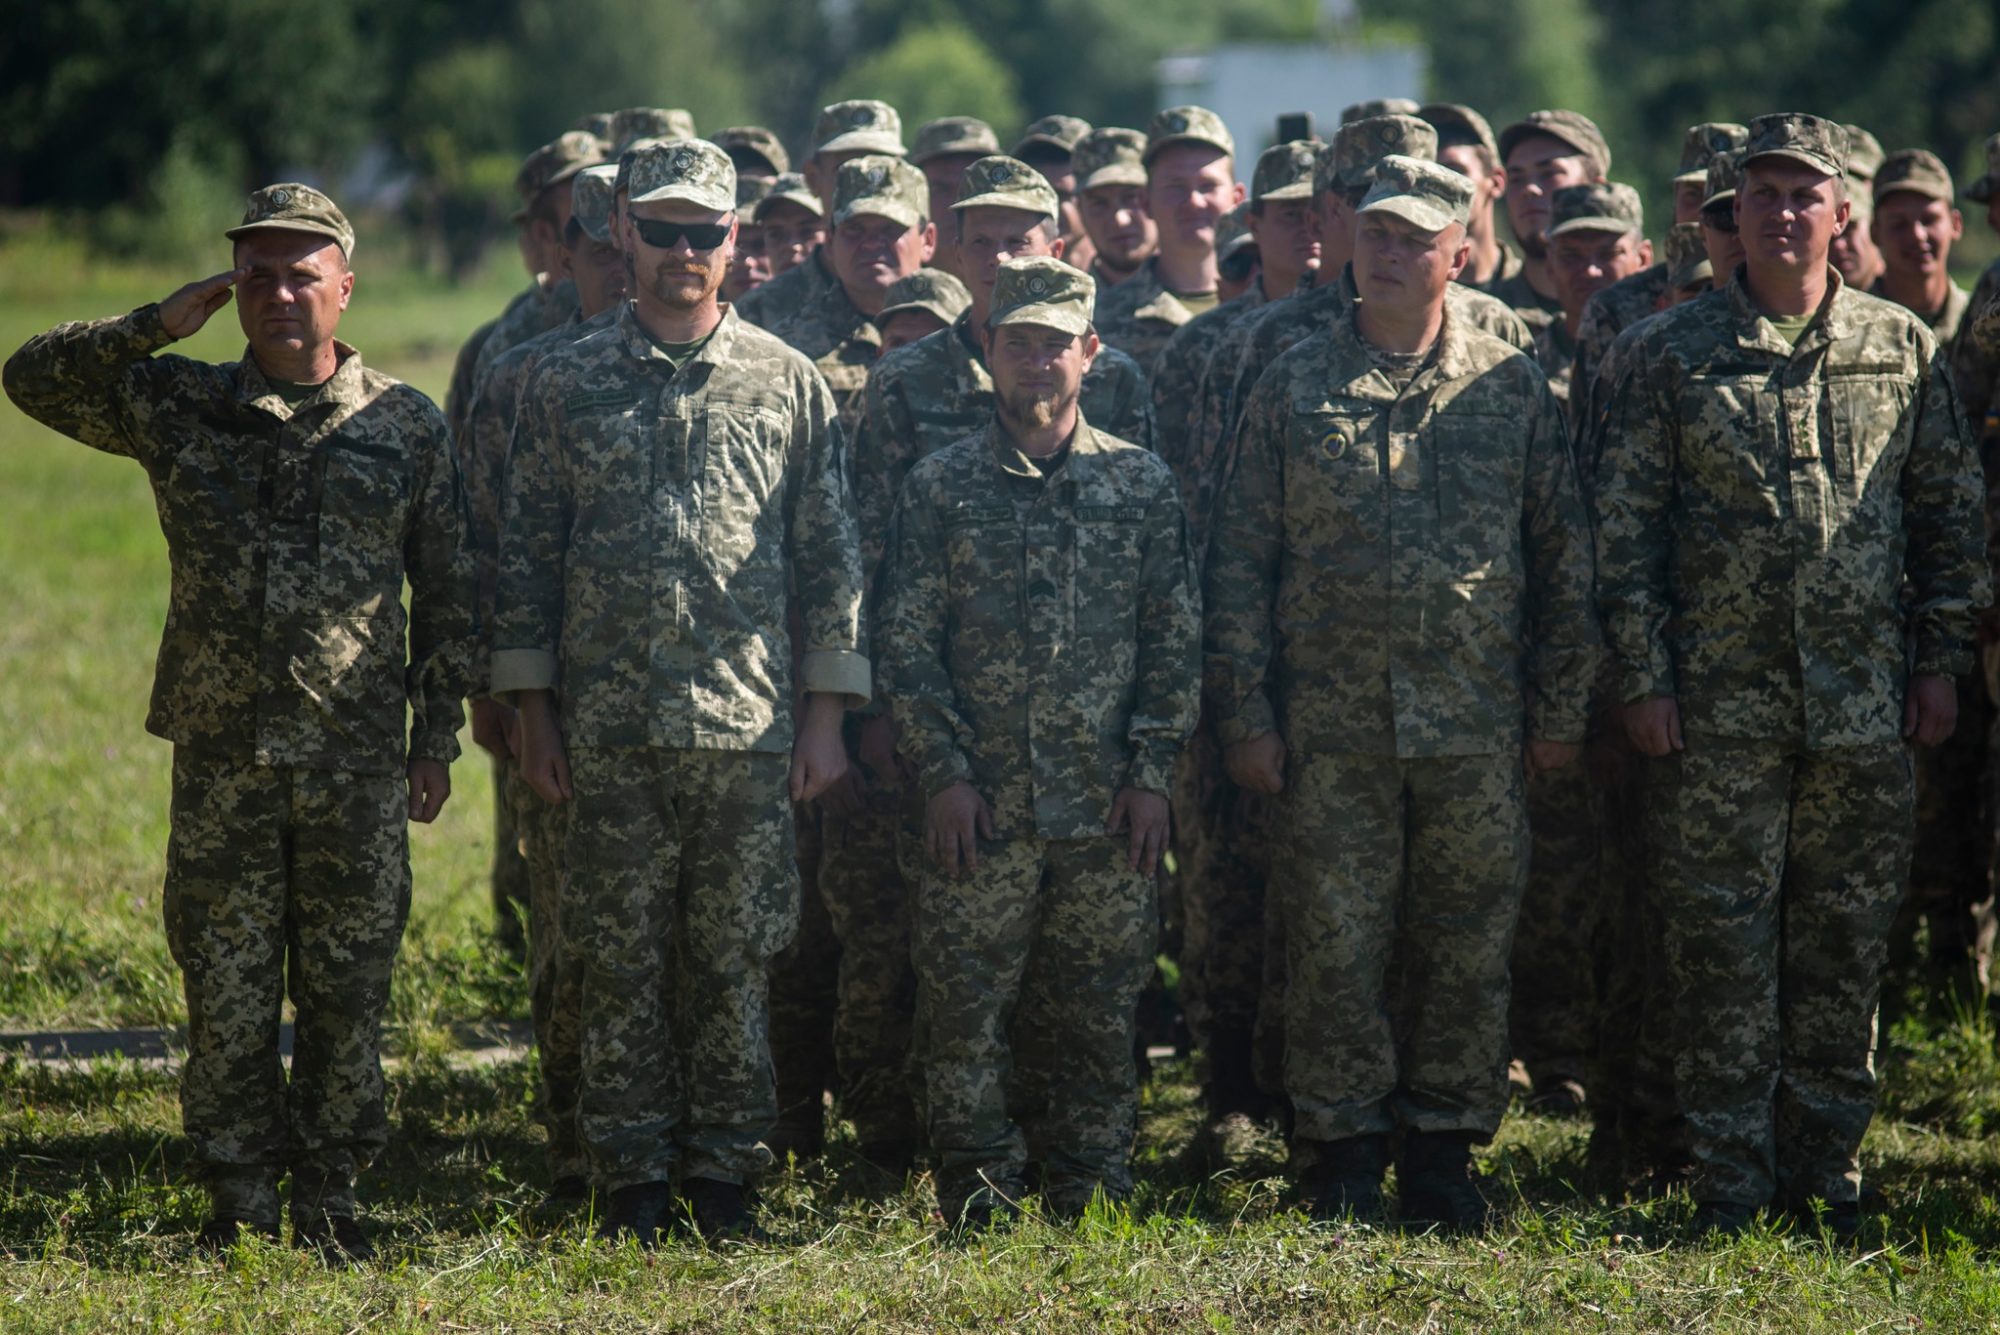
[594, 260]
[297, 490]
[676, 506]
[1378, 106]
[1190, 164]
[1236, 259]
[749, 262]
[755, 152]
[1040, 642]
[928, 302]
[1543, 152]
[846, 131]
[550, 301]
[1467, 146]
[1401, 560]
[1778, 459]
[1111, 195]
[793, 223]
[1221, 832]
[1049, 146]
[1596, 238]
[825, 308]
[1854, 252]
[942, 151]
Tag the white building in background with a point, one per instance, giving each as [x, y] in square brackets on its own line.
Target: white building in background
[1252, 84]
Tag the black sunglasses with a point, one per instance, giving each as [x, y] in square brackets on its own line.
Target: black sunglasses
[667, 235]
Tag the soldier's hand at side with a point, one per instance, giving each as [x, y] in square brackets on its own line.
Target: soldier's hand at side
[1258, 764]
[878, 748]
[1144, 813]
[1539, 757]
[1930, 710]
[186, 311]
[954, 823]
[819, 756]
[544, 763]
[490, 728]
[1654, 725]
[847, 796]
[430, 785]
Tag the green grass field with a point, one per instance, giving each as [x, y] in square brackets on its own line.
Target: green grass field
[96, 1214]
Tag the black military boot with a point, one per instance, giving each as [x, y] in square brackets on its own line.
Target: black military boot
[644, 1211]
[720, 1211]
[338, 1238]
[1342, 1179]
[1722, 1219]
[221, 1232]
[1438, 1190]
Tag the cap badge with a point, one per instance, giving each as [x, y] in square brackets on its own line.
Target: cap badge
[1177, 123]
[280, 198]
[1001, 174]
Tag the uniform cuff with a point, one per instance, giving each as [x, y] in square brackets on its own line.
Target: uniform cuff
[1938, 660]
[839, 672]
[940, 771]
[515, 670]
[1254, 719]
[1152, 770]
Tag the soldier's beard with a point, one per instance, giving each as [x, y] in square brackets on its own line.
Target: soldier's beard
[1033, 411]
[686, 287]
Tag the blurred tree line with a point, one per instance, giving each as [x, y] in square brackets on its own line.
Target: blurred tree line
[140, 114]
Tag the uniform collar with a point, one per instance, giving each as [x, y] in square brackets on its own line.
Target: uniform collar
[343, 387]
[1452, 361]
[962, 346]
[1755, 333]
[1081, 462]
[640, 344]
[1159, 303]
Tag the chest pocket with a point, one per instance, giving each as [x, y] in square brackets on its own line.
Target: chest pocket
[364, 502]
[743, 453]
[1868, 411]
[611, 445]
[1110, 548]
[1729, 446]
[1480, 462]
[1335, 502]
[982, 544]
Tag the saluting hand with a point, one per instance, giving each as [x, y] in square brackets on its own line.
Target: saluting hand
[186, 311]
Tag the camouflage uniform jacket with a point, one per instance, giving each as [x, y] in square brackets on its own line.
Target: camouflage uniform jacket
[659, 526]
[1394, 573]
[1509, 268]
[1188, 432]
[536, 312]
[1041, 630]
[290, 532]
[489, 433]
[1605, 316]
[1975, 364]
[808, 308]
[935, 391]
[1944, 325]
[1555, 353]
[1760, 506]
[1138, 316]
[1520, 296]
[458, 394]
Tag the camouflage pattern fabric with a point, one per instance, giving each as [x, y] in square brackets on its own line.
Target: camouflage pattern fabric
[1552, 1017]
[1975, 362]
[458, 395]
[660, 524]
[1605, 316]
[1416, 860]
[290, 531]
[1449, 507]
[1779, 871]
[1803, 485]
[555, 978]
[1555, 353]
[679, 891]
[1944, 322]
[1519, 295]
[937, 390]
[804, 990]
[542, 310]
[1186, 439]
[1139, 315]
[1951, 886]
[264, 864]
[809, 309]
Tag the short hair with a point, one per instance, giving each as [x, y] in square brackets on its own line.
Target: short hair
[1459, 136]
[1039, 155]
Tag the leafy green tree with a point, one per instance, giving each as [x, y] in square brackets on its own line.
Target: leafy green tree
[940, 70]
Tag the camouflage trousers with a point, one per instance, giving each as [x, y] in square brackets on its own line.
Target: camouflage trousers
[1029, 969]
[1399, 882]
[1951, 869]
[868, 908]
[284, 882]
[511, 894]
[805, 979]
[680, 888]
[1222, 845]
[555, 983]
[1779, 871]
[1552, 1019]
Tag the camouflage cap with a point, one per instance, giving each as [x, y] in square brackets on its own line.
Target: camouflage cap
[750, 192]
[1358, 147]
[1424, 193]
[882, 186]
[859, 126]
[1917, 171]
[931, 290]
[1864, 154]
[1061, 132]
[1043, 290]
[1601, 206]
[291, 207]
[636, 123]
[1687, 257]
[1456, 122]
[753, 139]
[688, 169]
[1703, 142]
[592, 195]
[1110, 155]
[790, 188]
[594, 122]
[1369, 108]
[1725, 173]
[1284, 171]
[953, 134]
[553, 163]
[1232, 233]
[1980, 188]
[1574, 128]
[1186, 125]
[1810, 140]
[1006, 183]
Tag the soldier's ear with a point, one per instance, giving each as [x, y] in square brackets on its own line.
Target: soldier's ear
[929, 246]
